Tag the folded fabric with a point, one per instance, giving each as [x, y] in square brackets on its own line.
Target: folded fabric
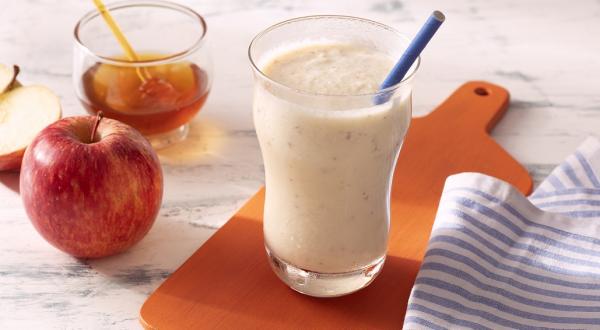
[497, 260]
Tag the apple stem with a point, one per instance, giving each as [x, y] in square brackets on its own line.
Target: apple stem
[99, 117]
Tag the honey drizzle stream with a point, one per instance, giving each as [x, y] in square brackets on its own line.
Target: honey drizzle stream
[142, 73]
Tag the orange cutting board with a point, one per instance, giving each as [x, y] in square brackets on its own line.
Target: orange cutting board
[228, 283]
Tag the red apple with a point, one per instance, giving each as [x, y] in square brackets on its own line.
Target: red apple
[91, 193]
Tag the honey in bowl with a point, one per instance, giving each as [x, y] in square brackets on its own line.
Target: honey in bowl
[153, 99]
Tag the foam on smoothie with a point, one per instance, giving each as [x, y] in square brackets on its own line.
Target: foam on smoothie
[332, 69]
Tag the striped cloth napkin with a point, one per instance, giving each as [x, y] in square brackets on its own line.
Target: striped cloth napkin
[497, 260]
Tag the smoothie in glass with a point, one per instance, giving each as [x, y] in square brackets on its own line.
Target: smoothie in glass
[329, 155]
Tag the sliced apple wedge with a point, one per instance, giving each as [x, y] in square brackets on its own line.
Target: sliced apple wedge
[24, 112]
[8, 77]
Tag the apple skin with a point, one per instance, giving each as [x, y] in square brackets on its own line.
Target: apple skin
[91, 200]
[12, 161]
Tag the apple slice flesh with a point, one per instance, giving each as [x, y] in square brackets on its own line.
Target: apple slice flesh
[8, 77]
[24, 112]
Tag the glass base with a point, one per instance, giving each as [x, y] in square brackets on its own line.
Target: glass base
[163, 140]
[324, 284]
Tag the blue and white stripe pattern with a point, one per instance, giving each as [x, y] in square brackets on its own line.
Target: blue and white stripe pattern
[497, 260]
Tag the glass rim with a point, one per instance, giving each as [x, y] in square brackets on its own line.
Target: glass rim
[92, 14]
[386, 90]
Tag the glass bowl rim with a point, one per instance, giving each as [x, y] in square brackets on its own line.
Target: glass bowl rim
[92, 14]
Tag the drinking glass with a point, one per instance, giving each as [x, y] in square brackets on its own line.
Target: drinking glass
[162, 89]
[329, 160]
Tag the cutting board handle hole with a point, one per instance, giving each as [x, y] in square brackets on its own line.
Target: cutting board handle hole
[481, 91]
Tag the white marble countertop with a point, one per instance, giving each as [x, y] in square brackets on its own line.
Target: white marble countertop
[546, 53]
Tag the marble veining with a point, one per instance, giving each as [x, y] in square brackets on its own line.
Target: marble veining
[544, 52]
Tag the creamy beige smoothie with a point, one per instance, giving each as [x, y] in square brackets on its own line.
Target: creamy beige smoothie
[328, 159]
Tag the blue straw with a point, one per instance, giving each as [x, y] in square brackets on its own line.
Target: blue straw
[411, 54]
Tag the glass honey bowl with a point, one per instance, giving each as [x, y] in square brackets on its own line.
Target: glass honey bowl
[164, 87]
